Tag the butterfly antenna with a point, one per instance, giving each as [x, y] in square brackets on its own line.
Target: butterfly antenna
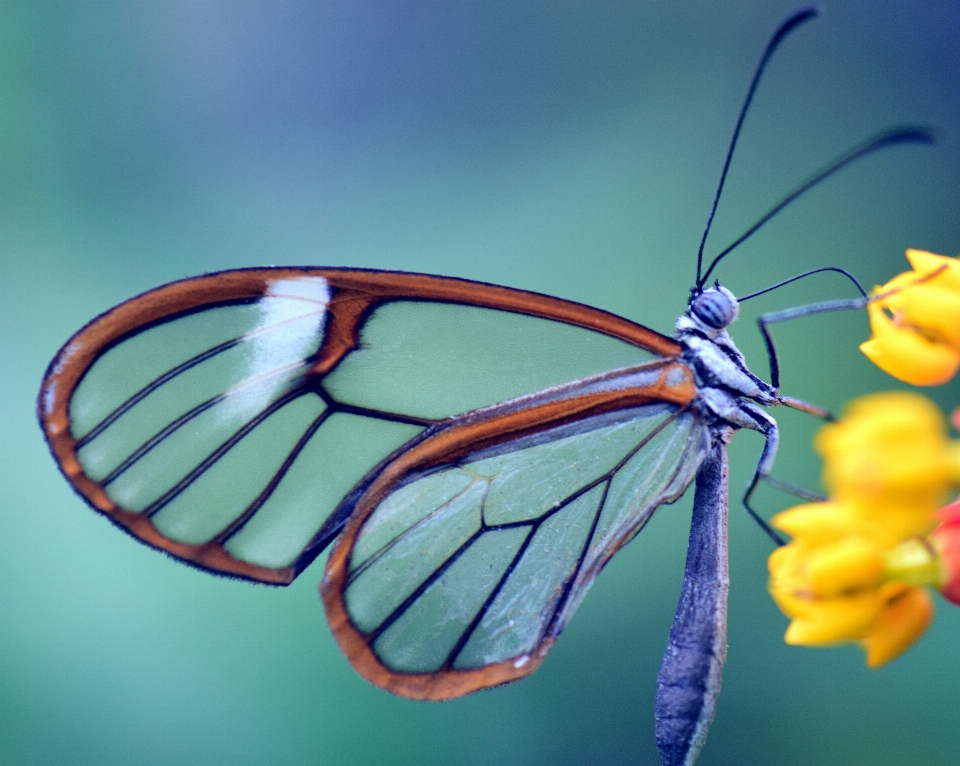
[798, 18]
[892, 137]
[845, 273]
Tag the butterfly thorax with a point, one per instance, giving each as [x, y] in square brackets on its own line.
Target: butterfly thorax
[721, 372]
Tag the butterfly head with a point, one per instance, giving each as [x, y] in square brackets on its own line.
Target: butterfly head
[714, 308]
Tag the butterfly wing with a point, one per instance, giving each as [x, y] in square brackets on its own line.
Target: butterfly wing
[224, 418]
[465, 556]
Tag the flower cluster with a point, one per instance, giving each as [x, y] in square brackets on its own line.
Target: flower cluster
[859, 564]
[915, 319]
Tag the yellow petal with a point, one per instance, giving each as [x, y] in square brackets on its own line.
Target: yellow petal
[902, 281]
[875, 416]
[850, 564]
[834, 620]
[906, 468]
[781, 561]
[925, 263]
[816, 522]
[926, 299]
[902, 621]
[932, 309]
[893, 518]
[888, 450]
[907, 355]
[792, 605]
[786, 583]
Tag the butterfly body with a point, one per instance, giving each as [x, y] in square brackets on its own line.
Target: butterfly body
[727, 392]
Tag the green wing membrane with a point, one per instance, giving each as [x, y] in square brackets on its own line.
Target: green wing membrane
[242, 424]
[433, 360]
[483, 561]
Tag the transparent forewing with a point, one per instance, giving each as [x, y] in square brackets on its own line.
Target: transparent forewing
[437, 359]
[207, 425]
[225, 418]
[481, 563]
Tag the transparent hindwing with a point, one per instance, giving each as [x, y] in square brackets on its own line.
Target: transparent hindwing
[460, 575]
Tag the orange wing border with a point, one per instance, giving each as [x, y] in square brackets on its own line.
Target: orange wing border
[355, 293]
[445, 445]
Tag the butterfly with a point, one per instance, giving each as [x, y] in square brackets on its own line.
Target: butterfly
[474, 453]
[241, 421]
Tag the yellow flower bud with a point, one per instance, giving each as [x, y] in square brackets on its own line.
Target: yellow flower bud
[889, 459]
[919, 342]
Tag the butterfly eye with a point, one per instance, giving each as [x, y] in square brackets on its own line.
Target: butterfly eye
[716, 308]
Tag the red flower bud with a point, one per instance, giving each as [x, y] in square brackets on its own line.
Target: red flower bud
[946, 540]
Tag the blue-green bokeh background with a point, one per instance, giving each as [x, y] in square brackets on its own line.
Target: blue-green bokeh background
[566, 147]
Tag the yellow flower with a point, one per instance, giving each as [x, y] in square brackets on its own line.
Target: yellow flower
[889, 459]
[850, 586]
[915, 319]
[858, 565]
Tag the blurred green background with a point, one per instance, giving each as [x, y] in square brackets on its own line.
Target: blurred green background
[566, 147]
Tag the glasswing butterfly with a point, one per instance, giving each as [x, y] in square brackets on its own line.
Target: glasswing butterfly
[475, 453]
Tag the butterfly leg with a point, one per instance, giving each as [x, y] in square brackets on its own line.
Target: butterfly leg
[817, 308]
[744, 414]
[795, 313]
[756, 419]
[793, 489]
[810, 409]
[768, 427]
